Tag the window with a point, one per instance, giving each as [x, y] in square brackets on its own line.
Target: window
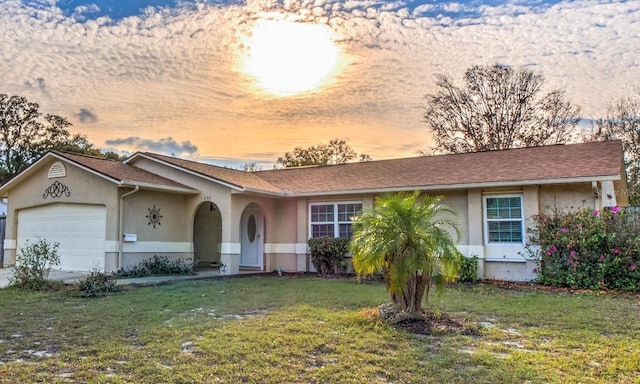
[503, 219]
[332, 219]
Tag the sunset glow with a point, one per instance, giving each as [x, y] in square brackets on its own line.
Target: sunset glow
[287, 58]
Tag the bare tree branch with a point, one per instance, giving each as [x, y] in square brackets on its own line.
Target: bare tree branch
[498, 108]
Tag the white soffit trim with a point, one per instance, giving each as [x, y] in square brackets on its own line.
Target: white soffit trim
[186, 170]
[259, 192]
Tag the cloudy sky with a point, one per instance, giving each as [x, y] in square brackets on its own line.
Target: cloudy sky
[239, 81]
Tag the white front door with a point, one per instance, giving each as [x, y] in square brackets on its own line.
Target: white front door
[251, 232]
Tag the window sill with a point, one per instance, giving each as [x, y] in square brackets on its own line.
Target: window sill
[505, 260]
[504, 245]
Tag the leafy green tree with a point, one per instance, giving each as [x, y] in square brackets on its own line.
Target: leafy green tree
[623, 122]
[498, 108]
[25, 135]
[336, 152]
[409, 238]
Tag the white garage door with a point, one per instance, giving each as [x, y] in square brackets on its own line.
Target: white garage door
[79, 229]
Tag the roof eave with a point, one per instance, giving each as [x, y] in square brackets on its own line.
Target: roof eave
[259, 192]
[158, 187]
[440, 187]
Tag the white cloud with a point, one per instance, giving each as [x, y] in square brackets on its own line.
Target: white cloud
[174, 73]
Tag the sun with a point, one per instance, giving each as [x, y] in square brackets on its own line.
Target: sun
[287, 58]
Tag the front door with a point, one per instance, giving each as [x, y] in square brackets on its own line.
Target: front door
[251, 232]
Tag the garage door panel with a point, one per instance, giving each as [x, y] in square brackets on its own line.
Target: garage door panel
[79, 229]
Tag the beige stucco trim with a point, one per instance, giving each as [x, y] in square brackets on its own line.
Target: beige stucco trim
[302, 248]
[230, 248]
[157, 246]
[608, 194]
[10, 244]
[111, 246]
[301, 263]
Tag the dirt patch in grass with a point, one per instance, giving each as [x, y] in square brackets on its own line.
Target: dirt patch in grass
[438, 324]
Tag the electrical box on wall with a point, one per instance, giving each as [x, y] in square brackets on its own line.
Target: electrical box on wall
[130, 237]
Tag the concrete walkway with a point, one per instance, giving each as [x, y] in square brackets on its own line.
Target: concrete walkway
[74, 277]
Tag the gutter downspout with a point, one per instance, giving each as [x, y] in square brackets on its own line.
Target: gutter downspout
[121, 223]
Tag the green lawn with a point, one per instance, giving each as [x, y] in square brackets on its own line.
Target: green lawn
[308, 330]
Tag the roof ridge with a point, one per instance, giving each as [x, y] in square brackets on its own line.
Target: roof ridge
[60, 152]
[436, 155]
[152, 154]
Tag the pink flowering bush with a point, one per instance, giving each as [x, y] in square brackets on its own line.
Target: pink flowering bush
[589, 249]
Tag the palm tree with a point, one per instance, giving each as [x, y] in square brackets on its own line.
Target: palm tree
[407, 237]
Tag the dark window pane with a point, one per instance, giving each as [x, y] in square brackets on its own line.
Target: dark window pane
[504, 208]
[505, 231]
[347, 212]
[322, 230]
[321, 213]
[345, 230]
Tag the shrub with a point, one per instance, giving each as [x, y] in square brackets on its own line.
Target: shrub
[158, 265]
[98, 283]
[33, 264]
[590, 249]
[468, 270]
[327, 254]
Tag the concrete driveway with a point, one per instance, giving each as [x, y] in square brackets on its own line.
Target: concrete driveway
[67, 277]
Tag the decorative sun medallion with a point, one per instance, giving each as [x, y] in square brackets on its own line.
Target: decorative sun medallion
[154, 216]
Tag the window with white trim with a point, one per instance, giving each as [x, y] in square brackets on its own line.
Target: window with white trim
[332, 219]
[503, 216]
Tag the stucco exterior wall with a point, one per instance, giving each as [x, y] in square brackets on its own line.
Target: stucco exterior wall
[210, 192]
[281, 235]
[563, 197]
[170, 235]
[458, 202]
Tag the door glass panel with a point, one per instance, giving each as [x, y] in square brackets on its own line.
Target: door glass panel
[251, 228]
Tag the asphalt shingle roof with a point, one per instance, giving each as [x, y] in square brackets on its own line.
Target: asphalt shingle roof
[555, 162]
[234, 177]
[120, 171]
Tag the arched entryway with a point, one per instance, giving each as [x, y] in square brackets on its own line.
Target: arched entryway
[207, 236]
[252, 237]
